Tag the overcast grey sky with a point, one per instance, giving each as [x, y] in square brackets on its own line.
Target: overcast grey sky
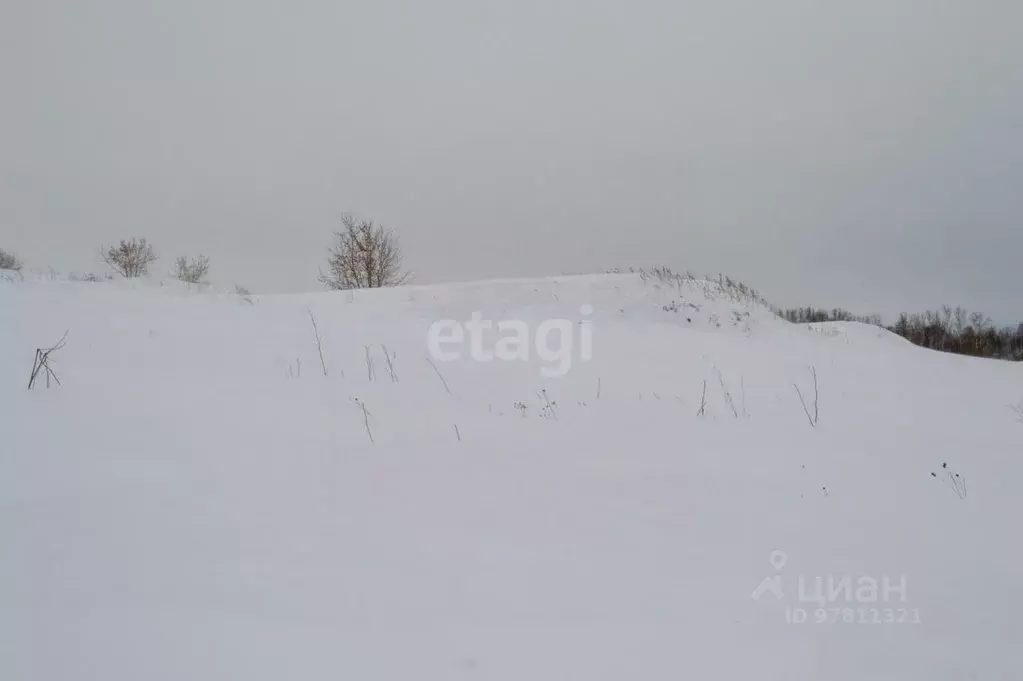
[862, 153]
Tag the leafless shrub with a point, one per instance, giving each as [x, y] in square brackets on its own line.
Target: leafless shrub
[713, 287]
[243, 293]
[365, 255]
[703, 401]
[192, 271]
[131, 259]
[90, 277]
[737, 291]
[10, 261]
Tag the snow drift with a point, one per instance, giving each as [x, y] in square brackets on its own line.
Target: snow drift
[205, 498]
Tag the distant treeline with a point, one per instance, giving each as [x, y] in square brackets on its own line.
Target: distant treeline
[948, 330]
[810, 315]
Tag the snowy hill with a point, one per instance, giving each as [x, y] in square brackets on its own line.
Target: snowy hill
[205, 498]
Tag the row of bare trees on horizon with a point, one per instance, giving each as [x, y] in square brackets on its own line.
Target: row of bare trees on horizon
[949, 329]
[363, 255]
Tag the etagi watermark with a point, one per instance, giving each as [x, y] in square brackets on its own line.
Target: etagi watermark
[515, 341]
[840, 592]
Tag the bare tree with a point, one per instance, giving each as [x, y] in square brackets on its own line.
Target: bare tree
[192, 271]
[365, 255]
[131, 259]
[9, 261]
[980, 321]
[960, 320]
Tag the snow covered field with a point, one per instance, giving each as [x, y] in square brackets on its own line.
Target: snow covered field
[199, 501]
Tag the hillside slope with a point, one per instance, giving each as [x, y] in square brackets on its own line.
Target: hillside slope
[199, 500]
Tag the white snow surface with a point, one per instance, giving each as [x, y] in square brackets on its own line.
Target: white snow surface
[187, 505]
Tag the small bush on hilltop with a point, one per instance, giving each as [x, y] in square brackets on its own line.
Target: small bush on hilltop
[192, 271]
[364, 255]
[712, 286]
[131, 259]
[9, 261]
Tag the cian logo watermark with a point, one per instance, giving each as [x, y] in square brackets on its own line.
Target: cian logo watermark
[553, 341]
[838, 599]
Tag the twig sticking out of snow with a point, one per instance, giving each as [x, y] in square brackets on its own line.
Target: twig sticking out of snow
[390, 364]
[42, 363]
[703, 401]
[549, 410]
[365, 416]
[742, 385]
[369, 365]
[728, 395]
[439, 375]
[958, 483]
[319, 342]
[816, 396]
[816, 399]
[955, 481]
